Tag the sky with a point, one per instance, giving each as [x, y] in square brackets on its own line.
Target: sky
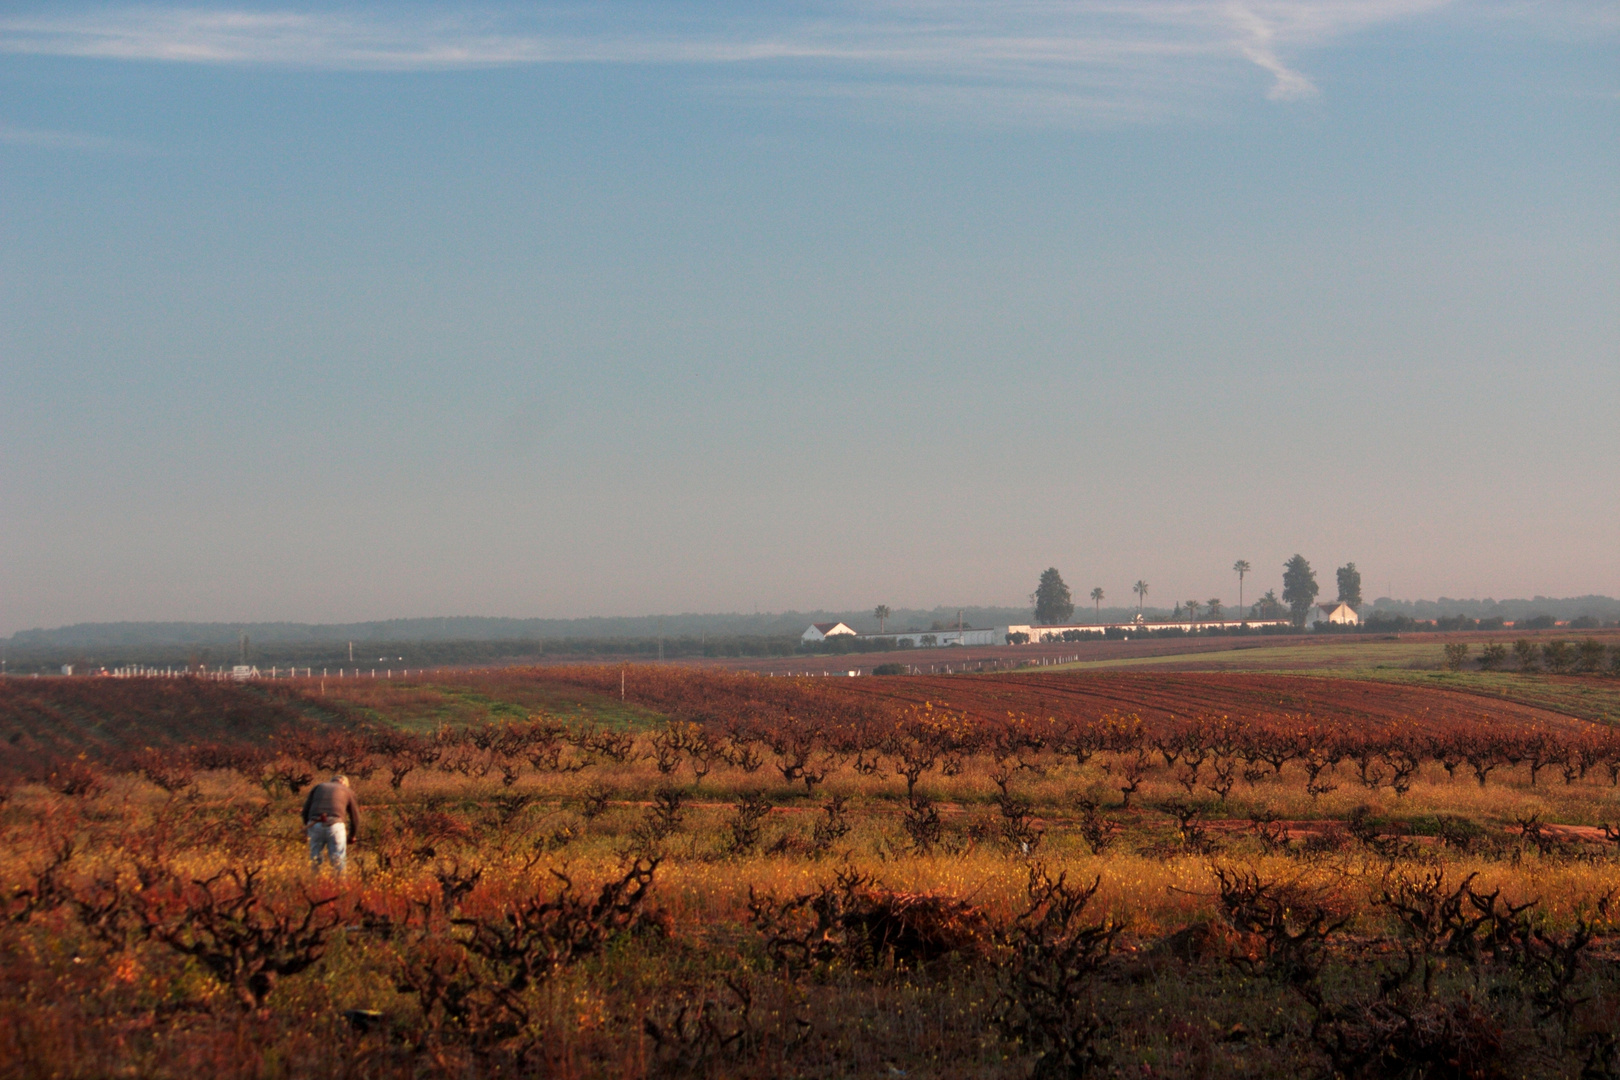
[339, 312]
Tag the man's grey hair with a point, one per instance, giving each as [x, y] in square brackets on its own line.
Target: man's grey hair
[339, 778]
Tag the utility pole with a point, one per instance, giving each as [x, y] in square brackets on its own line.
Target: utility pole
[351, 651]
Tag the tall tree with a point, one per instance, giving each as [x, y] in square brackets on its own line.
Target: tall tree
[881, 613]
[1241, 567]
[1096, 601]
[1267, 607]
[1192, 611]
[1350, 585]
[1299, 588]
[1214, 606]
[1053, 604]
[1141, 591]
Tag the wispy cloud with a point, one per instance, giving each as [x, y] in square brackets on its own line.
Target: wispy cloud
[1128, 57]
[66, 140]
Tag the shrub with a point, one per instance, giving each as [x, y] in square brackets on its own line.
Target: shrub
[473, 976]
[1558, 656]
[1394, 1039]
[170, 771]
[854, 920]
[226, 924]
[1384, 622]
[922, 824]
[534, 937]
[1097, 831]
[743, 828]
[1017, 828]
[889, 669]
[75, 777]
[689, 1035]
[1286, 924]
[832, 827]
[664, 816]
[1190, 831]
[1440, 920]
[1456, 655]
[594, 802]
[1046, 996]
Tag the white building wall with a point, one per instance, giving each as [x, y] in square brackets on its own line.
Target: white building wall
[965, 636]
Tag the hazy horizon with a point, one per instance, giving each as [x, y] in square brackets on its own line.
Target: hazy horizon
[689, 623]
[345, 314]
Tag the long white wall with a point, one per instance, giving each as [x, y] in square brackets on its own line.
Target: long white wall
[1037, 633]
[965, 636]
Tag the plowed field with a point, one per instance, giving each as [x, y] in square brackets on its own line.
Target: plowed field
[696, 694]
[100, 718]
[1187, 694]
[106, 717]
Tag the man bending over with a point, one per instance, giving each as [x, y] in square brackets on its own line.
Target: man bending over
[332, 819]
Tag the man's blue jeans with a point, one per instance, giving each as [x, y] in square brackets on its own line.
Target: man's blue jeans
[331, 840]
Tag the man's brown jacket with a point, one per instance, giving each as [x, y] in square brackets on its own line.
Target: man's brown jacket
[332, 802]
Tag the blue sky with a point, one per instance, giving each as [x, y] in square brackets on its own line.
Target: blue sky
[320, 313]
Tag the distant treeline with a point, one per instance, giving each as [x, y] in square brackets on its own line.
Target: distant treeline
[1604, 608]
[464, 641]
[631, 633]
[333, 655]
[650, 627]
[1383, 622]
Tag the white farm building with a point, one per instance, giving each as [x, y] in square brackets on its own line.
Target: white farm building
[1337, 614]
[821, 631]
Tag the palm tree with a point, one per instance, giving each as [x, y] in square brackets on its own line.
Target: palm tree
[1192, 611]
[1242, 567]
[1214, 606]
[1096, 599]
[1141, 591]
[882, 613]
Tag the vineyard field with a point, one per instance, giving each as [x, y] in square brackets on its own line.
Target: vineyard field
[658, 871]
[41, 719]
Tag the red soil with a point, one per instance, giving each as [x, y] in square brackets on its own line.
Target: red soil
[707, 694]
[1211, 694]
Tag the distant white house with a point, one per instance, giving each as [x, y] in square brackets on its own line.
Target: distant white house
[1337, 614]
[821, 631]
